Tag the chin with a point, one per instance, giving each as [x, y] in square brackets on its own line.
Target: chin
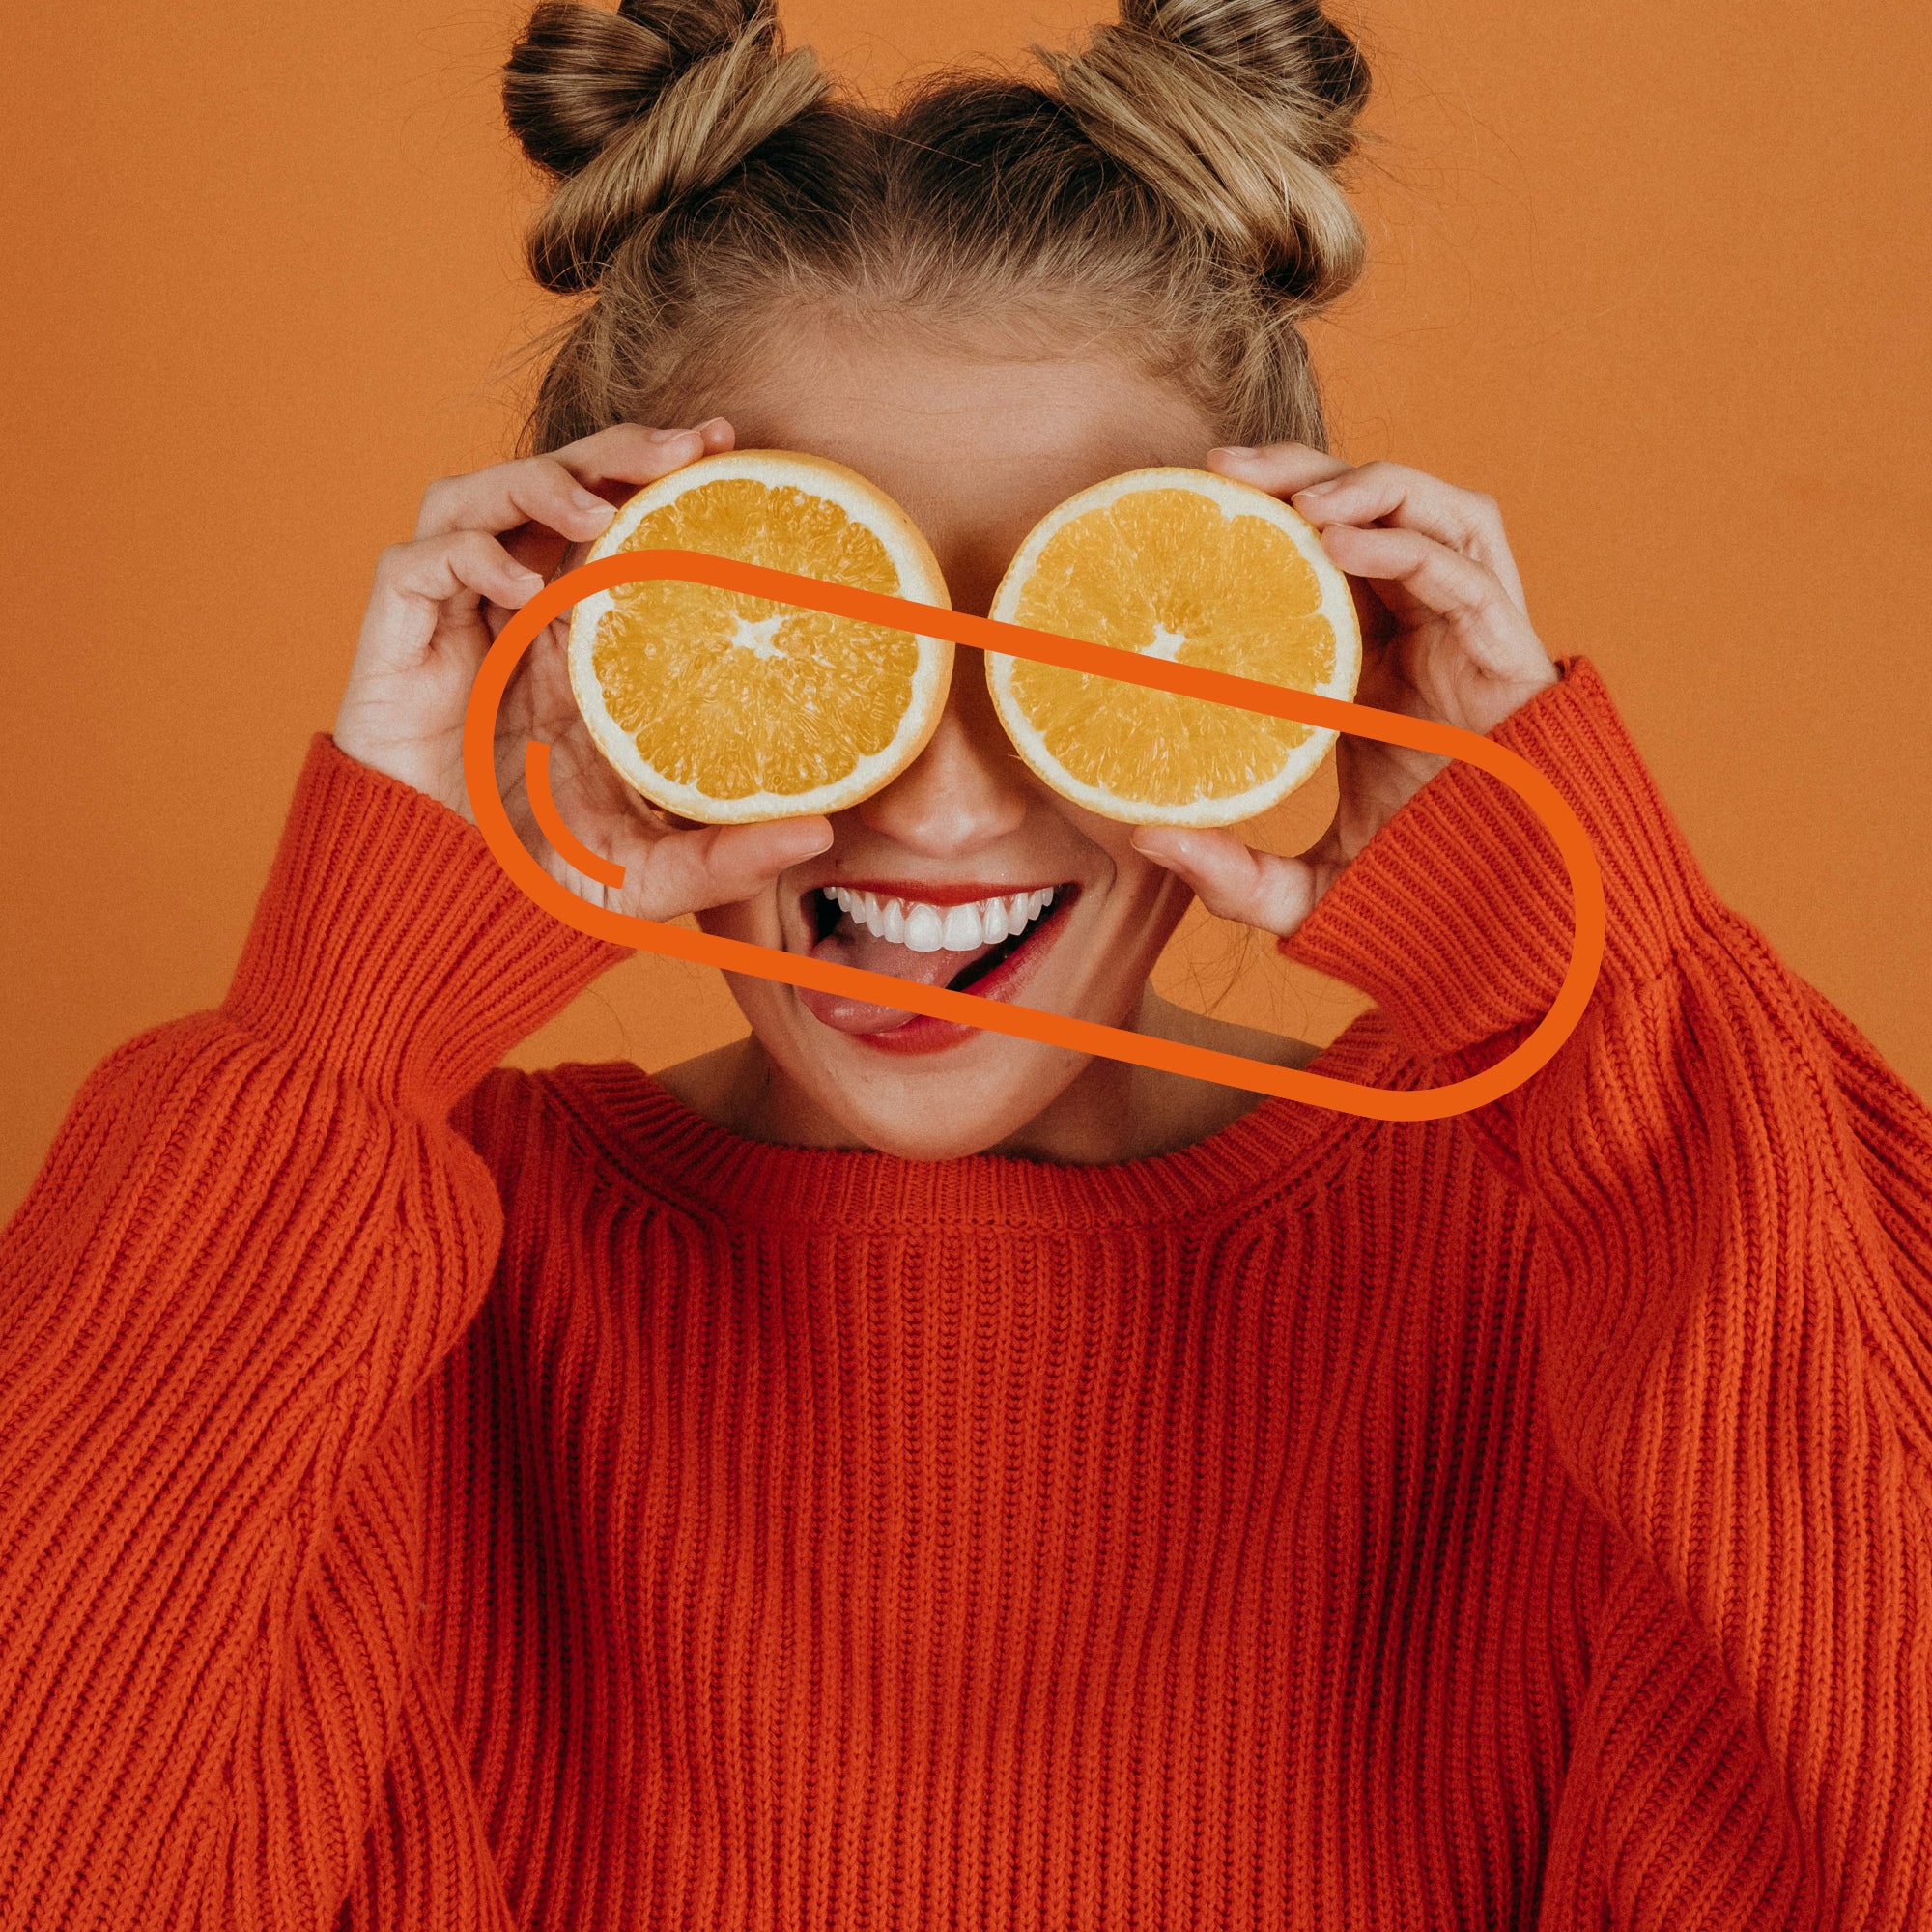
[853, 1073]
[939, 1106]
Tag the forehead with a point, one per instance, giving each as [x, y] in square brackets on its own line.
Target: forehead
[977, 445]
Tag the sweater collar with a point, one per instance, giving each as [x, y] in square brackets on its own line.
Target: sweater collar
[1277, 1150]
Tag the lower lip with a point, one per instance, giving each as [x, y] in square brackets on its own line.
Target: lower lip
[924, 1034]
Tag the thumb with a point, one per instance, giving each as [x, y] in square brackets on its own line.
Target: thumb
[1232, 880]
[720, 865]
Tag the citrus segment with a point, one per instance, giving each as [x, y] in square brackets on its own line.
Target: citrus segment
[1198, 569]
[726, 707]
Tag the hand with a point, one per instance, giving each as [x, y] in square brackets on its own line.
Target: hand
[485, 544]
[1445, 636]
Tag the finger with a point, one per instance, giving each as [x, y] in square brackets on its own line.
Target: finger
[692, 871]
[551, 702]
[1231, 879]
[1412, 499]
[717, 437]
[634, 453]
[1279, 467]
[458, 571]
[1466, 595]
[548, 490]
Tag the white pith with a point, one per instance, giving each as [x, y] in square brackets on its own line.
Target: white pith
[921, 927]
[1234, 498]
[919, 580]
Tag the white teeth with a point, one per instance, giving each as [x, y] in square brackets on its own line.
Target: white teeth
[929, 928]
[961, 928]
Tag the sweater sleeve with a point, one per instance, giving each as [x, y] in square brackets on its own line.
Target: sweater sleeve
[1732, 1198]
[254, 1236]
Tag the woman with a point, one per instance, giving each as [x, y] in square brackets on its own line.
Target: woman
[889, 1474]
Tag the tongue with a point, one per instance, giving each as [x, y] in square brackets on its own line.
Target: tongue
[851, 945]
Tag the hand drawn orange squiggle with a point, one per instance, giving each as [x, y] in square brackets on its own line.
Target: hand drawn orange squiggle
[871, 607]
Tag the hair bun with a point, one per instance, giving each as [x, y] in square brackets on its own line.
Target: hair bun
[635, 110]
[1238, 113]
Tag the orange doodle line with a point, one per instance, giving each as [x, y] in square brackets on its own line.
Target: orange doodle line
[1088, 1037]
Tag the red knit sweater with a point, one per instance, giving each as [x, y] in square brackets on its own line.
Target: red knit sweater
[440, 1499]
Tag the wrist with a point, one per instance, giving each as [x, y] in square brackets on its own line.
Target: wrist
[433, 768]
[1458, 917]
[391, 945]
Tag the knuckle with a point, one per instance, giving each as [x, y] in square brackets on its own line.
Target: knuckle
[1470, 593]
[470, 544]
[1483, 514]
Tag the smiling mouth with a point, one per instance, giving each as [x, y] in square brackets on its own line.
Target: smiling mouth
[986, 945]
[993, 927]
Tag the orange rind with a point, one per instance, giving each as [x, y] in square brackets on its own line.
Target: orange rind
[1079, 1035]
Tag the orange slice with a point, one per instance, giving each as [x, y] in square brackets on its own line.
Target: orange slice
[1186, 565]
[724, 707]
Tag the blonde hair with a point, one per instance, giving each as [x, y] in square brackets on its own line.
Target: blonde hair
[1169, 191]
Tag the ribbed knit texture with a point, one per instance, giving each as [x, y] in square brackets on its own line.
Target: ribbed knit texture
[440, 1499]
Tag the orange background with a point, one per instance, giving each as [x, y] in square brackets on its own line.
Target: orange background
[1655, 277]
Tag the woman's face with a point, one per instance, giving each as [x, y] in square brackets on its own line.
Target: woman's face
[977, 450]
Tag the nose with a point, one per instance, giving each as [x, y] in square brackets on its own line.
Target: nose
[965, 789]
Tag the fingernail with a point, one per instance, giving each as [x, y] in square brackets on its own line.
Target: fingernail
[1316, 489]
[1235, 449]
[596, 506]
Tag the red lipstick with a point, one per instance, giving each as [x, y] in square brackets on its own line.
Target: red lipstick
[1001, 968]
[933, 891]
